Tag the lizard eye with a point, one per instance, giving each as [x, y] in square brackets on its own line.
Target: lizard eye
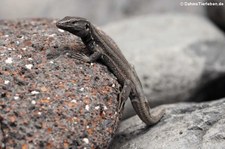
[87, 26]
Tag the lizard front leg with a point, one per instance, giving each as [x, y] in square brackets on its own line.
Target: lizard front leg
[82, 57]
[93, 57]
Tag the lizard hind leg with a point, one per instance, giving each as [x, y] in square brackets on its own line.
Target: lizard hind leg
[124, 94]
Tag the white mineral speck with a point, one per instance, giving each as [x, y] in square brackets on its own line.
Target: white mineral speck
[113, 85]
[24, 49]
[30, 59]
[35, 92]
[60, 30]
[2, 54]
[86, 140]
[6, 82]
[52, 35]
[9, 60]
[97, 107]
[20, 56]
[17, 42]
[92, 64]
[16, 97]
[82, 89]
[51, 62]
[39, 113]
[33, 102]
[75, 120]
[74, 101]
[10, 49]
[87, 107]
[105, 108]
[6, 35]
[29, 66]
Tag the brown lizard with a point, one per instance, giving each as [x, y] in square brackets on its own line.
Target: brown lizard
[104, 48]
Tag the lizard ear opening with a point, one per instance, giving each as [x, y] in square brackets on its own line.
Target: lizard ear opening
[74, 22]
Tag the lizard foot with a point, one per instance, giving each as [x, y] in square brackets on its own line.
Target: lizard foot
[80, 57]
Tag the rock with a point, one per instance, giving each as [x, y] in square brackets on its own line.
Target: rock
[217, 13]
[184, 125]
[47, 99]
[175, 56]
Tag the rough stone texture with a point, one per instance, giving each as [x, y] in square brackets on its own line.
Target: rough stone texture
[174, 56]
[98, 11]
[184, 126]
[48, 100]
[217, 13]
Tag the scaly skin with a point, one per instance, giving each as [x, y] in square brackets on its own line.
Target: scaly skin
[104, 48]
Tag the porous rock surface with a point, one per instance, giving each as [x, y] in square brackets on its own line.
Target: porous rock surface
[47, 99]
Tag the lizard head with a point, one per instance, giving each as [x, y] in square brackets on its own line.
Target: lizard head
[75, 25]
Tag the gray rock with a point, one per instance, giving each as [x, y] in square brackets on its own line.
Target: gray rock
[174, 55]
[217, 13]
[184, 126]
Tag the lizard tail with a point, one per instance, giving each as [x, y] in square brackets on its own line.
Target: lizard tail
[143, 111]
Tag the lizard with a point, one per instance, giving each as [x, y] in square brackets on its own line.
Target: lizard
[104, 48]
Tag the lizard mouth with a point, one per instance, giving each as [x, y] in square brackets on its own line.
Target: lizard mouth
[60, 25]
[67, 27]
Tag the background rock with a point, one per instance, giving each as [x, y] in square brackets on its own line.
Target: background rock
[184, 126]
[48, 100]
[217, 13]
[98, 11]
[174, 56]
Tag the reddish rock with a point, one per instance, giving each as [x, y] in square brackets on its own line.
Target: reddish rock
[47, 98]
